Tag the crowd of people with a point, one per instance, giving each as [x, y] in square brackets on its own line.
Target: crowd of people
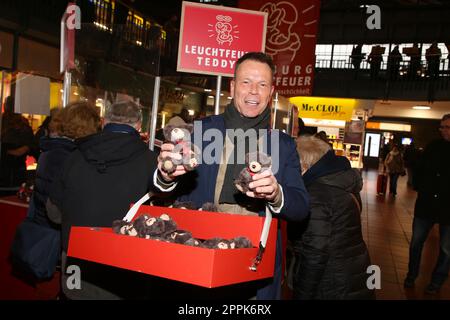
[91, 169]
[414, 70]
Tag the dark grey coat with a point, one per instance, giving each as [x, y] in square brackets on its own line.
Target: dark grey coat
[332, 256]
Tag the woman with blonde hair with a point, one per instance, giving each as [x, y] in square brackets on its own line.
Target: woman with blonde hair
[330, 253]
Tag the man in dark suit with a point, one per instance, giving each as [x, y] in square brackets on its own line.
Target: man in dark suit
[246, 122]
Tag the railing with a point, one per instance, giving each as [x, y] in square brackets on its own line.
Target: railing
[403, 69]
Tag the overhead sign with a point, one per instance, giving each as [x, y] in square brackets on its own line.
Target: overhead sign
[324, 108]
[213, 38]
[291, 41]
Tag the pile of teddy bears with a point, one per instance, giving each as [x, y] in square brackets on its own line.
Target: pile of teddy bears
[163, 228]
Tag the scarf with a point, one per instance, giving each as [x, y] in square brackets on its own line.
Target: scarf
[234, 120]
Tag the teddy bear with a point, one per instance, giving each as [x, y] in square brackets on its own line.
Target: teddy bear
[240, 242]
[193, 242]
[179, 136]
[180, 236]
[125, 228]
[216, 243]
[209, 206]
[255, 162]
[190, 205]
[146, 226]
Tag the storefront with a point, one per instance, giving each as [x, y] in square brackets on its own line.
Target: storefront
[343, 121]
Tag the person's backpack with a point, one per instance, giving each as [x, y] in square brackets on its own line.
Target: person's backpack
[36, 249]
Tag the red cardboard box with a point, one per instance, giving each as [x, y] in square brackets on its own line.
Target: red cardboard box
[200, 266]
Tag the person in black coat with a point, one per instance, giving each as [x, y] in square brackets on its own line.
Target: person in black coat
[54, 150]
[331, 256]
[108, 171]
[17, 141]
[432, 206]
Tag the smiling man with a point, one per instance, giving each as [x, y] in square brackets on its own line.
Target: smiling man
[279, 190]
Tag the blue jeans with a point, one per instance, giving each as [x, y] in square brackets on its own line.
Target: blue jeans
[393, 177]
[421, 229]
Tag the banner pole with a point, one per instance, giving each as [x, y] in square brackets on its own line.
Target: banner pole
[1, 105]
[217, 101]
[154, 112]
[66, 88]
[275, 110]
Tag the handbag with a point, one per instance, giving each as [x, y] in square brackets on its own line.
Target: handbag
[36, 249]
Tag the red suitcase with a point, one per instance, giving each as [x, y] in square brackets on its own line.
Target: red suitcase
[381, 184]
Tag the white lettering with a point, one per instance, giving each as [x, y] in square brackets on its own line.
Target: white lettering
[374, 21]
[74, 19]
[74, 280]
[374, 281]
[307, 81]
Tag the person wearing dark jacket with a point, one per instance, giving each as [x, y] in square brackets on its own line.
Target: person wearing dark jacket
[331, 256]
[432, 206]
[17, 141]
[279, 191]
[108, 171]
[55, 147]
[395, 167]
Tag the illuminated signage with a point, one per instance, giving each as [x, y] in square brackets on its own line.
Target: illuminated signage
[324, 108]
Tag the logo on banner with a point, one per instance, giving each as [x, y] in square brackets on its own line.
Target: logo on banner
[290, 41]
[281, 39]
[213, 38]
[223, 29]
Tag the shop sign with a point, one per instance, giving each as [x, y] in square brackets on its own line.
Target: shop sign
[213, 38]
[291, 41]
[324, 108]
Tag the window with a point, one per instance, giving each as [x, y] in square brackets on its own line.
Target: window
[323, 55]
[341, 55]
[104, 13]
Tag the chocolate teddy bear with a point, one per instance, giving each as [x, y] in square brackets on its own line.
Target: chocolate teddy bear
[256, 162]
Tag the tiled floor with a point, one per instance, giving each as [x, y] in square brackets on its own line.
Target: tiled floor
[386, 225]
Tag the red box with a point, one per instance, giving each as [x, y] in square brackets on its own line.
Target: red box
[200, 266]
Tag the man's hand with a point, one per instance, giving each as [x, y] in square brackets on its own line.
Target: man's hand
[264, 186]
[166, 151]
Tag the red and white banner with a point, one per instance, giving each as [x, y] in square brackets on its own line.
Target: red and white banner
[291, 41]
[213, 38]
[67, 40]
